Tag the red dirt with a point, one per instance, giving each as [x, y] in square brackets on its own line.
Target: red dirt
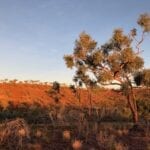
[30, 93]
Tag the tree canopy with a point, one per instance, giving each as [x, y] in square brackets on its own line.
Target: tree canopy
[117, 60]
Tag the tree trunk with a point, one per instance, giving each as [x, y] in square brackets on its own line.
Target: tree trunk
[90, 101]
[133, 107]
[132, 102]
[135, 117]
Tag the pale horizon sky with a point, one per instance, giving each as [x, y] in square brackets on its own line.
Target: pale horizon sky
[36, 34]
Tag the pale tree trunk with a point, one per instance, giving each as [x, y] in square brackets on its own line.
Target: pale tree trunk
[79, 97]
[133, 107]
[78, 93]
[90, 100]
[132, 101]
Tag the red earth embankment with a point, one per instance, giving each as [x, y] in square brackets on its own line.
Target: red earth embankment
[30, 93]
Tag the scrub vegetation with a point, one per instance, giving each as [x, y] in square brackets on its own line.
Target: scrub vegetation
[86, 115]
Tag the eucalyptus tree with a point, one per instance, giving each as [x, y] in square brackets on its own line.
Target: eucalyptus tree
[117, 60]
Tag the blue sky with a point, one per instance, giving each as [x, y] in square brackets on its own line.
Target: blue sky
[35, 34]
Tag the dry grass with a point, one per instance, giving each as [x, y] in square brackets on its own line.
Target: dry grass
[66, 135]
[14, 133]
[72, 128]
[77, 145]
[38, 133]
[120, 146]
[35, 146]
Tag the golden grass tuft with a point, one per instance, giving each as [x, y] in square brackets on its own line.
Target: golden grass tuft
[66, 135]
[120, 146]
[14, 133]
[38, 133]
[22, 132]
[77, 144]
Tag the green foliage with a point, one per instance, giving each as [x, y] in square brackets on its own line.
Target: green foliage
[144, 22]
[143, 107]
[115, 60]
[56, 86]
[142, 77]
[124, 88]
[138, 78]
[105, 76]
[32, 114]
[146, 77]
[97, 57]
[120, 39]
[83, 57]
[54, 92]
[83, 45]
[69, 61]
[73, 89]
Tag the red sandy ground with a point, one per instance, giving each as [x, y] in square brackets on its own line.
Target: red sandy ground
[30, 93]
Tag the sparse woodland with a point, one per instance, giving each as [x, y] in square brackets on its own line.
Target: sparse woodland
[118, 60]
[86, 115]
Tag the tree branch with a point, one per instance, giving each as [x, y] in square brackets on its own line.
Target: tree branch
[139, 43]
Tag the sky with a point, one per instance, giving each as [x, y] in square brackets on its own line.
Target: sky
[36, 34]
